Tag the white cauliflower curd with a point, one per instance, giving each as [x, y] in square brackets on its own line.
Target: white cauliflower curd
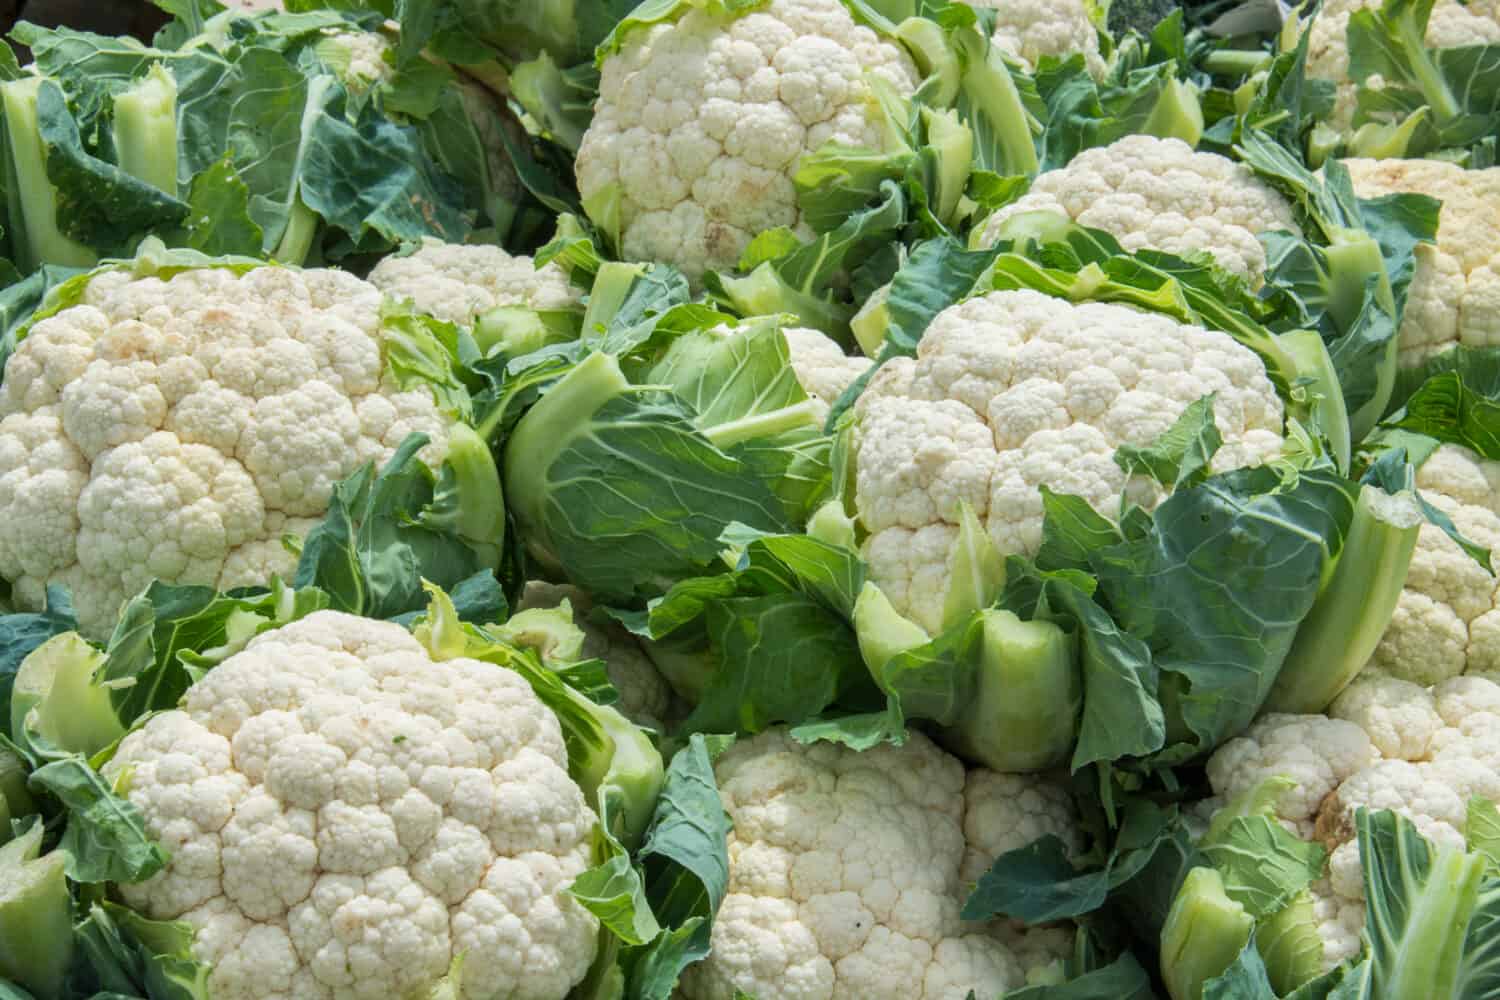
[460, 283]
[1027, 30]
[1447, 620]
[1385, 744]
[1455, 293]
[848, 870]
[1159, 194]
[1015, 390]
[345, 816]
[702, 121]
[177, 428]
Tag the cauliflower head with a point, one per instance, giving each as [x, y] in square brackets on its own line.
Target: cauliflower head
[848, 870]
[346, 815]
[701, 122]
[1453, 23]
[1015, 390]
[1385, 744]
[1447, 620]
[177, 428]
[460, 283]
[1455, 293]
[1030, 29]
[1160, 194]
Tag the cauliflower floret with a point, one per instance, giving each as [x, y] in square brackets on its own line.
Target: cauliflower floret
[821, 366]
[1399, 717]
[701, 122]
[1159, 194]
[1421, 753]
[460, 283]
[1455, 293]
[1447, 620]
[175, 428]
[1030, 29]
[1015, 390]
[345, 816]
[1453, 23]
[845, 874]
[1318, 754]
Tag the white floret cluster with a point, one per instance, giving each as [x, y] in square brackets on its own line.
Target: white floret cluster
[848, 870]
[1012, 391]
[345, 817]
[1159, 194]
[701, 123]
[177, 428]
[459, 284]
[1385, 744]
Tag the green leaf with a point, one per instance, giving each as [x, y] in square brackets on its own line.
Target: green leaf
[105, 836]
[23, 632]
[1245, 979]
[98, 204]
[1263, 864]
[373, 548]
[1181, 454]
[782, 658]
[218, 220]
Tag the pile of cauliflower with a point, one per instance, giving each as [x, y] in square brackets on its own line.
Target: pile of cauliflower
[350, 813]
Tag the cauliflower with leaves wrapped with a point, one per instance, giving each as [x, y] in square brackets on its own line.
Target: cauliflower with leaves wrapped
[1455, 293]
[1159, 194]
[346, 815]
[177, 427]
[848, 870]
[705, 112]
[1016, 390]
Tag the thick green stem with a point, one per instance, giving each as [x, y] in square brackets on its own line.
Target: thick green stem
[989, 93]
[36, 925]
[145, 130]
[297, 238]
[481, 500]
[1319, 401]
[560, 416]
[1024, 715]
[516, 330]
[1445, 106]
[37, 240]
[762, 425]
[1345, 624]
[1237, 63]
[611, 285]
[1177, 114]
[1426, 962]
[1204, 933]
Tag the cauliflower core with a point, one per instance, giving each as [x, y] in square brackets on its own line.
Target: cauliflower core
[1029, 29]
[1447, 621]
[1015, 390]
[1159, 194]
[1455, 293]
[345, 816]
[176, 429]
[459, 283]
[1385, 744]
[1453, 23]
[848, 870]
[700, 123]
